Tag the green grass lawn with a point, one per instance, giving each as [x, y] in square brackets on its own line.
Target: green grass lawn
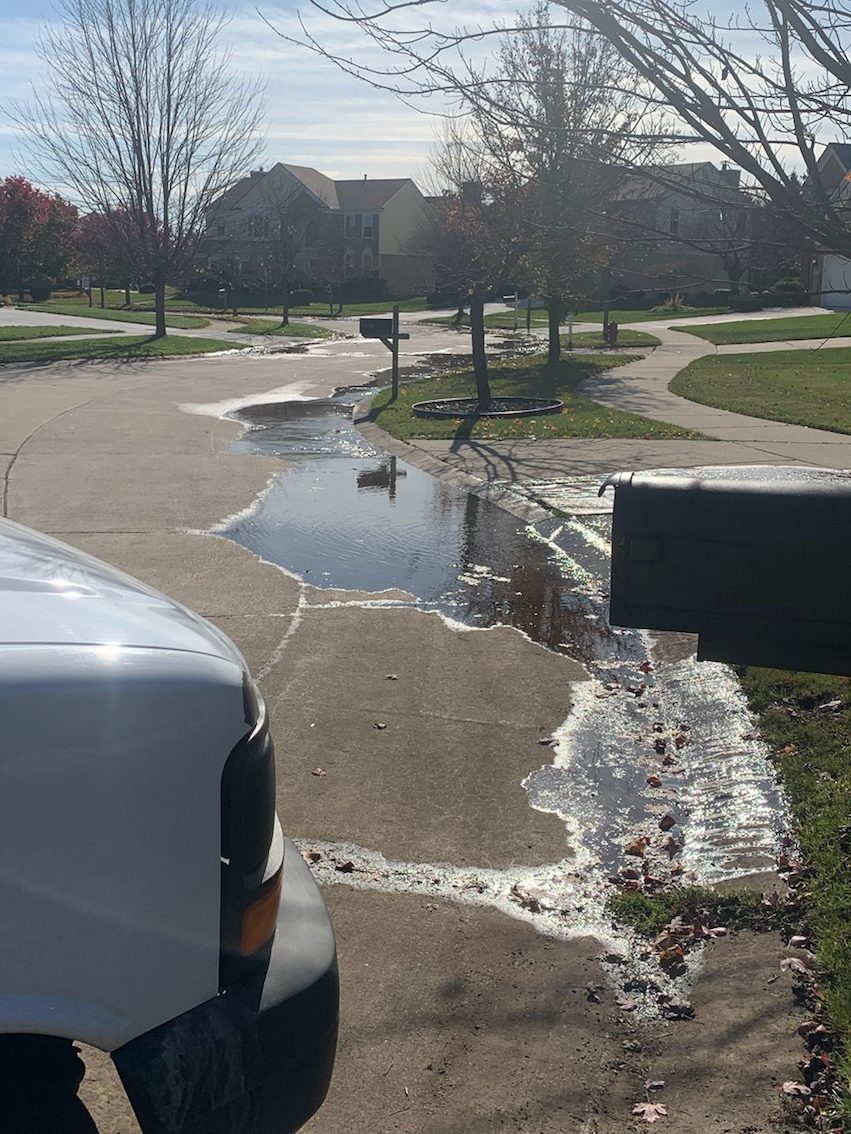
[270, 328]
[802, 387]
[14, 334]
[746, 330]
[504, 320]
[625, 339]
[812, 755]
[184, 322]
[119, 349]
[318, 309]
[532, 377]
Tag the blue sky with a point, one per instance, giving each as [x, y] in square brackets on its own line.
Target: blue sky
[315, 114]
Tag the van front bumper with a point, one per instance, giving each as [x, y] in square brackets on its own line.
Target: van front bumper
[257, 1059]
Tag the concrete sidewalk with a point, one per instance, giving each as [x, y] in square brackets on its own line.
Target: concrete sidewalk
[639, 387]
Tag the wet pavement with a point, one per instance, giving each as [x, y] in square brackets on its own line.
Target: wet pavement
[471, 999]
[344, 516]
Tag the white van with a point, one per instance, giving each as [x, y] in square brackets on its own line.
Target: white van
[149, 903]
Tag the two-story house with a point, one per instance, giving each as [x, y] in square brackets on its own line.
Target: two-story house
[681, 226]
[336, 230]
[830, 279]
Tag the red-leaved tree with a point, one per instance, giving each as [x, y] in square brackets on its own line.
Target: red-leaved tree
[36, 236]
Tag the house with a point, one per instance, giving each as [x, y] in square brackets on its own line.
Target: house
[682, 226]
[336, 230]
[830, 280]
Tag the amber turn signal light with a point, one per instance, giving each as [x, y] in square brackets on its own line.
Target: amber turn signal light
[261, 917]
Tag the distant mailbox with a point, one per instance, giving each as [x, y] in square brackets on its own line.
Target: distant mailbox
[376, 328]
[757, 561]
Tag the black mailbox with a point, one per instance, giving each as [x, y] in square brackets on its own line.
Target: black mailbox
[376, 328]
[757, 561]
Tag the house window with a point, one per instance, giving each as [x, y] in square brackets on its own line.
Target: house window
[370, 224]
[349, 261]
[367, 261]
[675, 222]
[352, 225]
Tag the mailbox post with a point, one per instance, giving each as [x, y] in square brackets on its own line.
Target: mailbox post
[387, 332]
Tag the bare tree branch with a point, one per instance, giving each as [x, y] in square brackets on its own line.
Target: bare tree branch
[142, 114]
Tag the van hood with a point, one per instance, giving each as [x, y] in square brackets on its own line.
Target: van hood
[52, 594]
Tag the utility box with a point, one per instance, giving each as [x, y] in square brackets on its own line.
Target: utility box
[756, 561]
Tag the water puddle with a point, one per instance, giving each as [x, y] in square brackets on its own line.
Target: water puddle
[346, 516]
[343, 515]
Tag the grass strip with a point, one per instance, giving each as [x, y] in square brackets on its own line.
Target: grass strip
[504, 320]
[809, 736]
[15, 334]
[318, 309]
[148, 318]
[801, 387]
[789, 327]
[626, 338]
[739, 909]
[119, 349]
[292, 330]
[529, 377]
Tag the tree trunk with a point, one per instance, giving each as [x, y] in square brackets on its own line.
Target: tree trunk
[127, 294]
[285, 309]
[480, 361]
[554, 315]
[102, 297]
[459, 314]
[159, 307]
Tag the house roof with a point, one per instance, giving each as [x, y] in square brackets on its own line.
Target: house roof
[344, 195]
[318, 184]
[231, 197]
[368, 194]
[842, 150]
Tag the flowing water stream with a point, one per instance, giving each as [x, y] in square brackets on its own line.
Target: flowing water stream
[344, 515]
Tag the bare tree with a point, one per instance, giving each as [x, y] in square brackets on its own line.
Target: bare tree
[142, 113]
[767, 88]
[481, 230]
[567, 131]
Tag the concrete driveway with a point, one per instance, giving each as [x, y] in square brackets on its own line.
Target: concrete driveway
[455, 1016]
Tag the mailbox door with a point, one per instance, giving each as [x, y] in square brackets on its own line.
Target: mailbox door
[754, 561]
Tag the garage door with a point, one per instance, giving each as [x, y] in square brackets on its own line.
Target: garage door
[836, 283]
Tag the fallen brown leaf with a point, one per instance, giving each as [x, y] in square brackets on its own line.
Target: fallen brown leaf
[795, 1089]
[650, 1111]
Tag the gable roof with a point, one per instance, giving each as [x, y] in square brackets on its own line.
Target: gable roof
[842, 150]
[368, 194]
[338, 195]
[231, 197]
[318, 184]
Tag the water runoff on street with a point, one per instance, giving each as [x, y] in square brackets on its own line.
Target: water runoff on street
[653, 732]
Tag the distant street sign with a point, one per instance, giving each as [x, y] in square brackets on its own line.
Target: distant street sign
[376, 328]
